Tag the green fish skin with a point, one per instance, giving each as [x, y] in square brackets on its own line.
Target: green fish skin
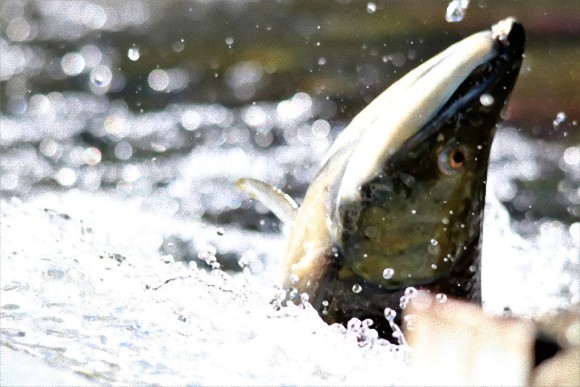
[398, 202]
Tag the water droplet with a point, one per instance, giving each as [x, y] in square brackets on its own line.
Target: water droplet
[158, 80]
[410, 291]
[486, 99]
[294, 279]
[356, 288]
[572, 156]
[66, 177]
[371, 7]
[92, 156]
[403, 301]
[456, 10]
[441, 298]
[18, 29]
[388, 273]
[133, 53]
[560, 117]
[48, 147]
[353, 325]
[168, 258]
[320, 129]
[390, 314]
[208, 255]
[243, 261]
[72, 63]
[101, 76]
[123, 150]
[433, 247]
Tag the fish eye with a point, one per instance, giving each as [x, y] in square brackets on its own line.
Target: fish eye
[452, 159]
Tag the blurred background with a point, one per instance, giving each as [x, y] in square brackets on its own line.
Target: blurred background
[107, 95]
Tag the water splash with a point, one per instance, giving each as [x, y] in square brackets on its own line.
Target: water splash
[456, 10]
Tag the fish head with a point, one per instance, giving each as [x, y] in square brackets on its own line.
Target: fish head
[406, 207]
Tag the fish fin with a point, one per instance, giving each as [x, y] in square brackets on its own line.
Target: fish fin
[276, 200]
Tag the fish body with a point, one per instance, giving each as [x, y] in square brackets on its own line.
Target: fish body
[398, 201]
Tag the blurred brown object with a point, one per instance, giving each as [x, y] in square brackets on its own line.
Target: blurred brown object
[564, 368]
[455, 343]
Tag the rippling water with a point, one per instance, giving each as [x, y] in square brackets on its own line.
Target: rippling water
[127, 254]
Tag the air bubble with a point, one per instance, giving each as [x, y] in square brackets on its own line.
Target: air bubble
[371, 8]
[356, 288]
[441, 298]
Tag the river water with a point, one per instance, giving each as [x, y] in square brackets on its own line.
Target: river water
[127, 255]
